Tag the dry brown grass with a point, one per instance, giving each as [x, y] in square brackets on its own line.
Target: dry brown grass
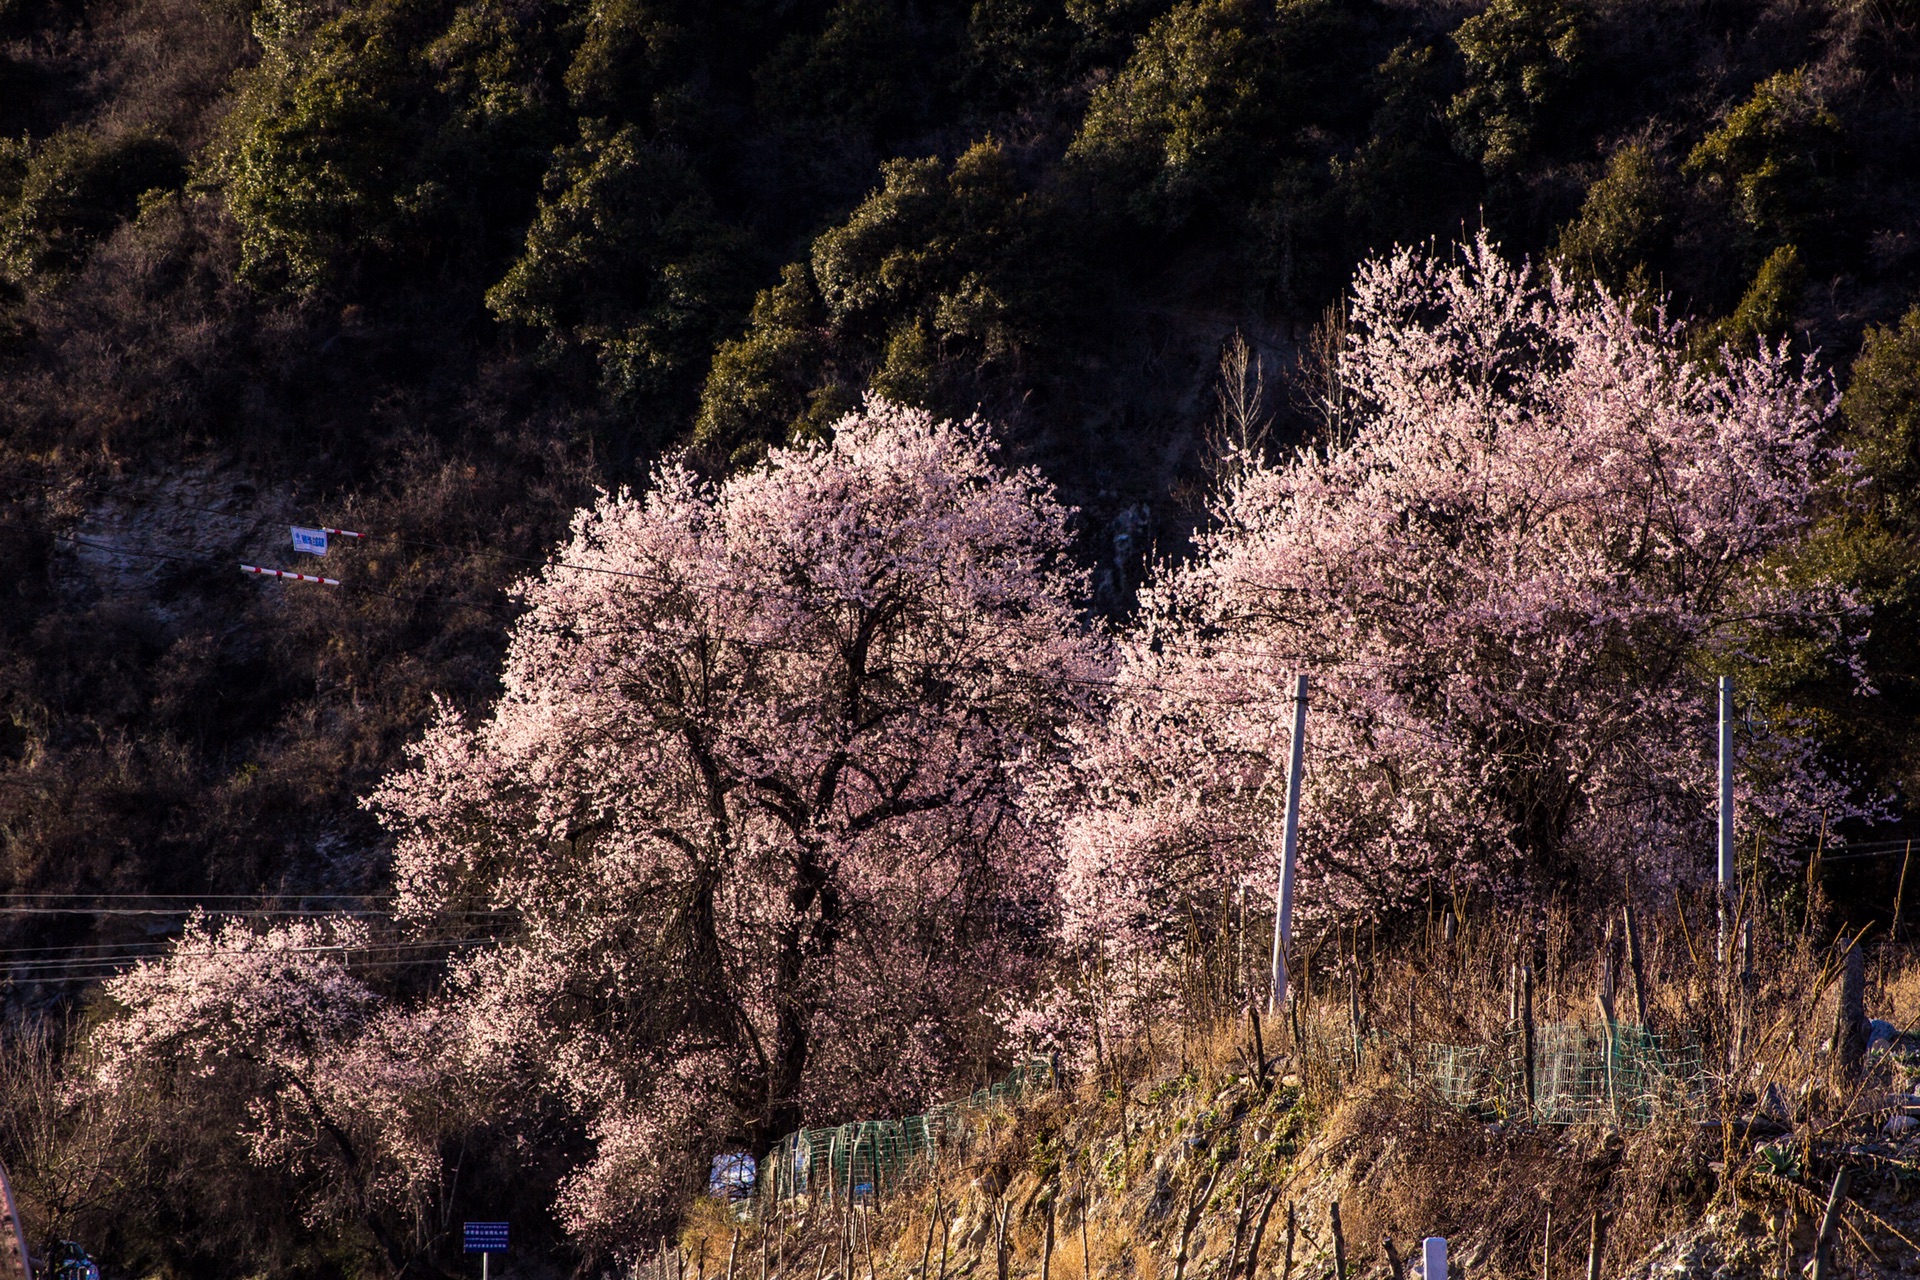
[1369, 1131]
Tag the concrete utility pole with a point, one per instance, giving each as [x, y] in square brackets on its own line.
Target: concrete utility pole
[1283, 905]
[1725, 879]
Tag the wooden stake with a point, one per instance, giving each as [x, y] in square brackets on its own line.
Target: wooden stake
[1393, 1259]
[1333, 1217]
[820, 1267]
[1286, 1272]
[1635, 962]
[1526, 1034]
[926, 1245]
[1046, 1246]
[1595, 1245]
[1900, 894]
[946, 1239]
[1260, 1230]
[1259, 1048]
[1823, 1243]
[1546, 1248]
[1239, 1234]
[1195, 1207]
[1850, 1018]
[733, 1249]
[1000, 1242]
[1086, 1249]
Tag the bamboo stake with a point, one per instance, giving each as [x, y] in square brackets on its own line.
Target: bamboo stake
[1680, 909]
[733, 1249]
[1596, 1244]
[1353, 1010]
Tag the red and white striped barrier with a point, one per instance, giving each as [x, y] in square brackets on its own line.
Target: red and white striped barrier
[282, 573]
[341, 533]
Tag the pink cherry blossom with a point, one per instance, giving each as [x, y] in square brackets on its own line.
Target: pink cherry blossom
[1511, 585]
[751, 795]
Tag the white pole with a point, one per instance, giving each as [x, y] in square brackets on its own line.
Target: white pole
[16, 1239]
[1283, 904]
[1725, 877]
[1433, 1258]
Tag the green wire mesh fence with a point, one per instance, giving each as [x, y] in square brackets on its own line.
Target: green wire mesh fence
[869, 1158]
[1583, 1072]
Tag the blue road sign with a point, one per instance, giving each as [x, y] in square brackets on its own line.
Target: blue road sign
[486, 1237]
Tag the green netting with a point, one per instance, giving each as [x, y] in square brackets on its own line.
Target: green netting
[1459, 1073]
[1582, 1072]
[867, 1158]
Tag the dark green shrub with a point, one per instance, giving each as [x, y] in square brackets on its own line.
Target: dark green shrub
[1882, 410]
[59, 197]
[1406, 170]
[1773, 159]
[1623, 224]
[760, 386]
[942, 276]
[865, 70]
[1215, 93]
[627, 258]
[311, 158]
[1523, 60]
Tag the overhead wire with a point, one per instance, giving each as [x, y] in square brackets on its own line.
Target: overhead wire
[79, 968]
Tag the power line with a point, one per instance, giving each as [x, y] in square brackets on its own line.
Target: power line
[245, 913]
[325, 949]
[104, 973]
[365, 955]
[154, 897]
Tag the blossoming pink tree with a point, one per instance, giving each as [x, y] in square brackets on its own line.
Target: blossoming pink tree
[1511, 585]
[751, 790]
[271, 1032]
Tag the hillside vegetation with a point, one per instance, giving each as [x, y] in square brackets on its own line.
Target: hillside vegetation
[846, 491]
[439, 269]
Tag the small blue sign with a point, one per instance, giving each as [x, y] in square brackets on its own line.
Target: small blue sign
[311, 541]
[486, 1237]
